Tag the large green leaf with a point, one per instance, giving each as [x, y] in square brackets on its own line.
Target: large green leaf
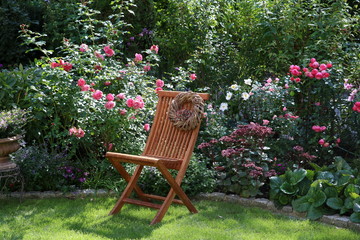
[314, 213]
[287, 188]
[341, 163]
[351, 188]
[275, 183]
[318, 198]
[326, 176]
[335, 203]
[356, 207]
[355, 217]
[296, 176]
[284, 199]
[304, 187]
[301, 204]
[331, 192]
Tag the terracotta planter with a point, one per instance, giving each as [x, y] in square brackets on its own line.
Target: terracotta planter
[8, 146]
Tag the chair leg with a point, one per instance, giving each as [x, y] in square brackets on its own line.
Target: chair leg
[127, 178]
[178, 190]
[164, 207]
[129, 188]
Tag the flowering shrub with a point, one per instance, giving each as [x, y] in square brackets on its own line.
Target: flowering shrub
[12, 122]
[244, 166]
[91, 98]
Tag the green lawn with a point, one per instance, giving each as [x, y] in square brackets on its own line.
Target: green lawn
[61, 218]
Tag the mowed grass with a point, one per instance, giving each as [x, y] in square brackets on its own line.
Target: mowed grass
[87, 218]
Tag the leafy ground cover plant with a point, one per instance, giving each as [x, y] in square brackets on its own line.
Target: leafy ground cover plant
[327, 190]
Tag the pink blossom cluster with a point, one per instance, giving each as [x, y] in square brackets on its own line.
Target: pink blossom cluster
[356, 107]
[193, 76]
[316, 70]
[270, 173]
[317, 128]
[64, 65]
[110, 101]
[323, 143]
[78, 132]
[137, 103]
[159, 85]
[108, 51]
[204, 145]
[155, 48]
[255, 173]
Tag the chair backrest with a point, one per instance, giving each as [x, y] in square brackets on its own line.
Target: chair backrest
[165, 140]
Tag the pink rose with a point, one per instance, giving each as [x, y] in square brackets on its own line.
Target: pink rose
[108, 51]
[120, 96]
[54, 64]
[107, 83]
[85, 88]
[147, 68]
[110, 97]
[99, 56]
[81, 82]
[158, 89]
[130, 102]
[155, 48]
[329, 65]
[97, 95]
[109, 104]
[84, 47]
[321, 142]
[265, 122]
[67, 66]
[318, 75]
[122, 111]
[159, 83]
[138, 57]
[356, 107]
[323, 67]
[146, 127]
[193, 76]
[78, 132]
[315, 65]
[284, 109]
[326, 144]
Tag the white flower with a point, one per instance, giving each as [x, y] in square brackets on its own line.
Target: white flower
[248, 81]
[245, 95]
[228, 96]
[234, 87]
[223, 106]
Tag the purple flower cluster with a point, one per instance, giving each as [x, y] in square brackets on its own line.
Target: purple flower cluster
[74, 174]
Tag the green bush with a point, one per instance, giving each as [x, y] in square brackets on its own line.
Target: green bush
[327, 190]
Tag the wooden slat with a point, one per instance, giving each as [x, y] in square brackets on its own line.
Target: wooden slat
[142, 203]
[160, 198]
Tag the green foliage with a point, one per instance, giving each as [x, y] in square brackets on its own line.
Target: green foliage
[198, 179]
[334, 189]
[12, 122]
[240, 159]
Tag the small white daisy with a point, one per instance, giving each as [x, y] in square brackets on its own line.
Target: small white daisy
[248, 81]
[245, 95]
[228, 96]
[223, 106]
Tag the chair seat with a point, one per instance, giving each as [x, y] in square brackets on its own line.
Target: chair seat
[145, 160]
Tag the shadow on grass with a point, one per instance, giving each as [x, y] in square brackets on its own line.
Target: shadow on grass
[88, 219]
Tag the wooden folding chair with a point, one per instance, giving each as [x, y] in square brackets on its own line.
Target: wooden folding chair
[167, 147]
